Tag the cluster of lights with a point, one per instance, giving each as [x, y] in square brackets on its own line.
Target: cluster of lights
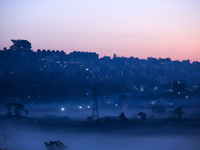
[108, 102]
[80, 107]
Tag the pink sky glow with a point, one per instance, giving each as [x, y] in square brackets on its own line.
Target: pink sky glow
[149, 28]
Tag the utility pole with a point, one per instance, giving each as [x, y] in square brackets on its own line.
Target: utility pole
[95, 112]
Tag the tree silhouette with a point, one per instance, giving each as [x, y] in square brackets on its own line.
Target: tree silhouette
[143, 115]
[19, 45]
[55, 145]
[123, 118]
[177, 113]
[18, 109]
[8, 106]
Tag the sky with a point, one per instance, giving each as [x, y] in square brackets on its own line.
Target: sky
[138, 28]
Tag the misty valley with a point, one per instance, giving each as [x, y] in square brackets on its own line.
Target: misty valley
[68, 122]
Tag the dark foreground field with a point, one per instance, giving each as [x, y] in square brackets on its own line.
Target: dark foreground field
[157, 134]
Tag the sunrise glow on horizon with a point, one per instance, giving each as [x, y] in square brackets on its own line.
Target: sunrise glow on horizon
[149, 28]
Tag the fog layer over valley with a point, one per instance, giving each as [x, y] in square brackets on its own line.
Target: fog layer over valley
[31, 137]
[155, 133]
[77, 109]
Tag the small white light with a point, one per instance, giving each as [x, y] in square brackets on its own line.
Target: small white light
[62, 109]
[80, 107]
[88, 106]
